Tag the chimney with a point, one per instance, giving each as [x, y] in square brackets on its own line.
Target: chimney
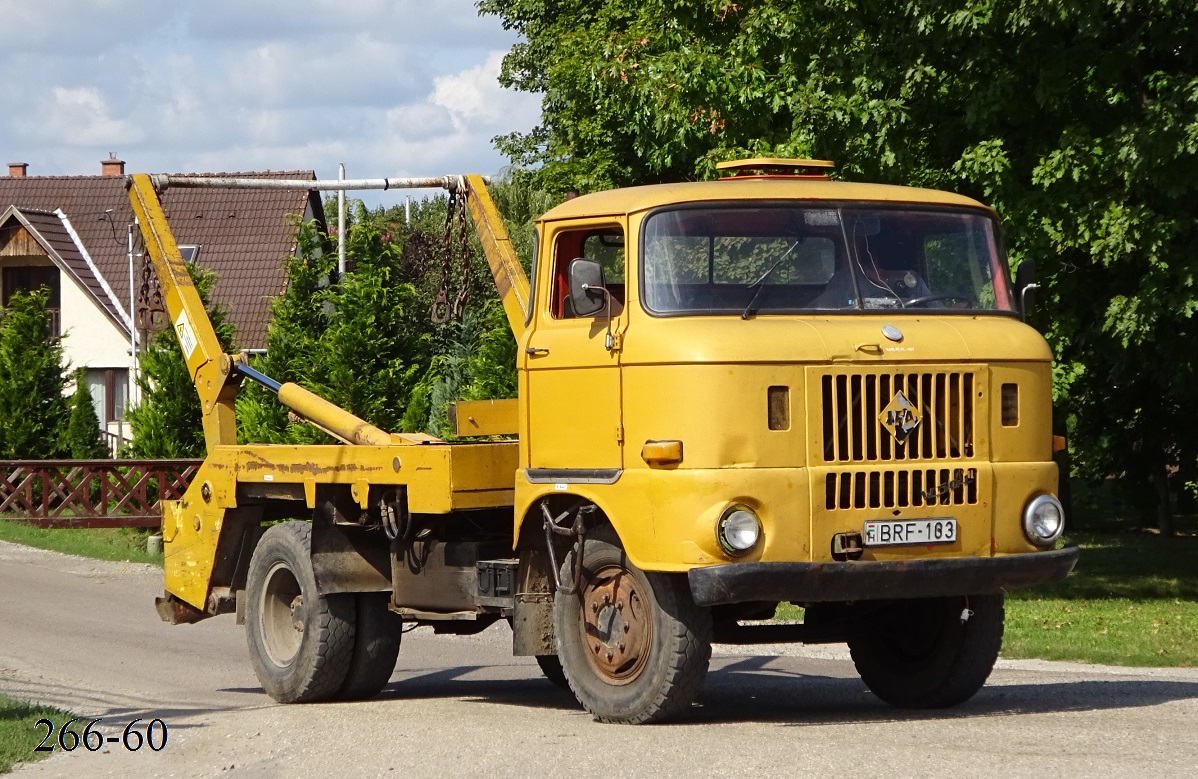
[112, 166]
[18, 170]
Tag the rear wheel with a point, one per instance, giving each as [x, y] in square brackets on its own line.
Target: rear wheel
[551, 667]
[301, 643]
[930, 653]
[633, 645]
[376, 647]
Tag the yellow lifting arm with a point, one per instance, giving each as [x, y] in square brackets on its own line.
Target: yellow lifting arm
[209, 366]
[510, 279]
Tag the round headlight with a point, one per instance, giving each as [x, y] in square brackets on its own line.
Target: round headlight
[738, 530]
[1043, 520]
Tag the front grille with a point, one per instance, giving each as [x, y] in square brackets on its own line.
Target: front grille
[852, 403]
[876, 489]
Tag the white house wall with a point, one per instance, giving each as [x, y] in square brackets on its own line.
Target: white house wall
[89, 337]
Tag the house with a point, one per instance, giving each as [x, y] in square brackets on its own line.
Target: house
[75, 236]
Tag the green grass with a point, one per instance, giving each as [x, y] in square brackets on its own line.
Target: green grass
[117, 543]
[1132, 600]
[1116, 631]
[19, 736]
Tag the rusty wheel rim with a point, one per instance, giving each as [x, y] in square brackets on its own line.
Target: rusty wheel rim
[617, 624]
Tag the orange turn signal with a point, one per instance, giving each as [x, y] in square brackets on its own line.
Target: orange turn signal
[662, 452]
[1058, 443]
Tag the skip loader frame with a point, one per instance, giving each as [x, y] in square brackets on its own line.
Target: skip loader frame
[708, 423]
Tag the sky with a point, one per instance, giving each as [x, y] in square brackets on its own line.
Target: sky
[390, 88]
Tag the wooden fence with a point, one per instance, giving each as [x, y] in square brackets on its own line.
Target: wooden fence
[91, 493]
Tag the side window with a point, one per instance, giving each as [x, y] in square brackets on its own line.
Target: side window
[604, 245]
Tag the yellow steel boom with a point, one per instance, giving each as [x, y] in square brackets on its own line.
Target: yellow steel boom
[207, 362]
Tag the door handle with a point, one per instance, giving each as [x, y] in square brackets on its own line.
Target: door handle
[535, 350]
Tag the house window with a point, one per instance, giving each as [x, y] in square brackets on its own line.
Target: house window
[110, 393]
[190, 253]
[33, 277]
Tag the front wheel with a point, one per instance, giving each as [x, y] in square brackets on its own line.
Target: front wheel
[930, 653]
[633, 645]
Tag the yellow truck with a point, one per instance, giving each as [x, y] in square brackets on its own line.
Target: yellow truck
[765, 388]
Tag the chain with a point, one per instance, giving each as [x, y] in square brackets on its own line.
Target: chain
[455, 209]
[151, 313]
[440, 312]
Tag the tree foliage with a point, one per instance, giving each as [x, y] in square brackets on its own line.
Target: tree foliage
[357, 343]
[1076, 119]
[168, 422]
[33, 410]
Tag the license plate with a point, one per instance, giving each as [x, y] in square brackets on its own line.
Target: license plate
[915, 531]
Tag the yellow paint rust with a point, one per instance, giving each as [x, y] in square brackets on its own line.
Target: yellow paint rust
[440, 478]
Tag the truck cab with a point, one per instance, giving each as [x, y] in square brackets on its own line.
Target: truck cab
[778, 387]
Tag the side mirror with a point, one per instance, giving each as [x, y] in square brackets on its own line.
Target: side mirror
[587, 292]
[1026, 286]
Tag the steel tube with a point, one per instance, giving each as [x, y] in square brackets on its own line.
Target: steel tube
[162, 182]
[341, 225]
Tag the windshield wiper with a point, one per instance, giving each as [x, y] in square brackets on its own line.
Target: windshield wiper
[759, 285]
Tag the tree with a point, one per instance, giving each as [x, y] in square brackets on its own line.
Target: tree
[1076, 119]
[33, 410]
[81, 440]
[168, 422]
[359, 342]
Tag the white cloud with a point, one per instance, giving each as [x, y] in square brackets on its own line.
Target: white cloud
[435, 25]
[78, 28]
[79, 116]
[474, 95]
[390, 89]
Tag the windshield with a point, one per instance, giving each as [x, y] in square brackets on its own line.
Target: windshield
[788, 258]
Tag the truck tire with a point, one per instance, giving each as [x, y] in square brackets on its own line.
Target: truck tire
[633, 645]
[376, 647]
[301, 643]
[930, 653]
[551, 667]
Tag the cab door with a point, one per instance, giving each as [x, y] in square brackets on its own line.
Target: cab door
[573, 396]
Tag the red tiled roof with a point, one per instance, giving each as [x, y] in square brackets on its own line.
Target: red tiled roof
[245, 235]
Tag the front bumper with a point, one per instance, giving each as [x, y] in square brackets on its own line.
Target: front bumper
[890, 580]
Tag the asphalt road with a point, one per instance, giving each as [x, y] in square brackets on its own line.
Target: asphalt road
[83, 635]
